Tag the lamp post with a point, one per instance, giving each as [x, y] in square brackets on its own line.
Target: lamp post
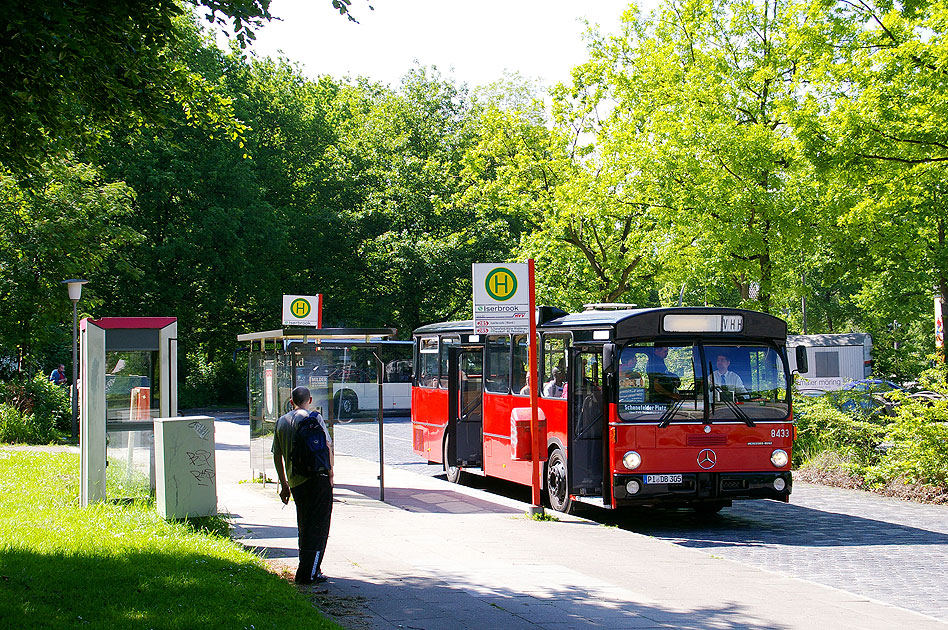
[75, 292]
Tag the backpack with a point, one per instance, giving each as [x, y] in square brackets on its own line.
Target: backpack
[310, 453]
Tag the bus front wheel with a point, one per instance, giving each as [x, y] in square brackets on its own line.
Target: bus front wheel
[557, 482]
[453, 473]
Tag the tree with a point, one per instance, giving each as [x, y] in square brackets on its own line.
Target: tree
[71, 70]
[67, 223]
[417, 231]
[881, 141]
[229, 224]
[689, 110]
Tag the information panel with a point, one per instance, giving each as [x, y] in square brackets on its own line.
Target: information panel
[302, 310]
[501, 298]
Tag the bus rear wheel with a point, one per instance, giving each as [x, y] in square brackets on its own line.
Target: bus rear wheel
[557, 482]
[453, 473]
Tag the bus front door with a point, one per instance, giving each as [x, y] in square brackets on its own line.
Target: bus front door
[465, 442]
[585, 420]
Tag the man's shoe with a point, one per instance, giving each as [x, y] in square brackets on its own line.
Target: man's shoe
[319, 579]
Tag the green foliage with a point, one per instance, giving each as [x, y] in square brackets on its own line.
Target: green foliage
[544, 516]
[694, 170]
[919, 447]
[67, 223]
[33, 411]
[17, 427]
[72, 70]
[821, 427]
[875, 126]
[146, 571]
[716, 150]
[40, 397]
[876, 449]
[212, 382]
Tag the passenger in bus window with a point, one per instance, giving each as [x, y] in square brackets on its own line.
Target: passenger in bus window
[525, 390]
[554, 387]
[725, 380]
[663, 383]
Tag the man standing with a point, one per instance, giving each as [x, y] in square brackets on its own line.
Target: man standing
[312, 495]
[58, 376]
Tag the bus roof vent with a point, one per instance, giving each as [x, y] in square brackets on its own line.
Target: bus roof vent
[609, 306]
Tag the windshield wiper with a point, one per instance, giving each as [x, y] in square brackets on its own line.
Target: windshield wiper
[739, 413]
[666, 418]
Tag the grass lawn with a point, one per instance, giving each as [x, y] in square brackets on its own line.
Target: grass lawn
[122, 566]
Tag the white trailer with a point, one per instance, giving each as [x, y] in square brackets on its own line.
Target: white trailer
[833, 360]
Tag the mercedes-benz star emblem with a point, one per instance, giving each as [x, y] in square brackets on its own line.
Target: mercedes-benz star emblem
[707, 459]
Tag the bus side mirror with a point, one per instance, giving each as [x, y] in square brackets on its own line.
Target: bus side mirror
[609, 359]
[802, 366]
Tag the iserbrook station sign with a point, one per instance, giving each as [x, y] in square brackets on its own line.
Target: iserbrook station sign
[501, 298]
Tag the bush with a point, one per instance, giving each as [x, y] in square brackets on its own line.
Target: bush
[211, 382]
[905, 454]
[822, 427]
[49, 403]
[917, 444]
[25, 428]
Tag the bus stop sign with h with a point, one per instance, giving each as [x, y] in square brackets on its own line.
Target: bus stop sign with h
[505, 303]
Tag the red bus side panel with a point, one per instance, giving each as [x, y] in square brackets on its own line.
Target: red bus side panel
[429, 416]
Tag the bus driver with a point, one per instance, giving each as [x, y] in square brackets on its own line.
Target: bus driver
[725, 380]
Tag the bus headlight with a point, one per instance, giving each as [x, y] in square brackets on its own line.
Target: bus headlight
[780, 484]
[779, 458]
[633, 487]
[631, 460]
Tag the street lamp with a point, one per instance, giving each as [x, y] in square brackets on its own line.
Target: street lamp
[75, 292]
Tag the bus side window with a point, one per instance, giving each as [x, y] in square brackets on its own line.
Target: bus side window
[553, 367]
[428, 362]
[521, 365]
[498, 364]
[446, 343]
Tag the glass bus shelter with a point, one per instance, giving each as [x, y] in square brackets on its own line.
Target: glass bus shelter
[353, 374]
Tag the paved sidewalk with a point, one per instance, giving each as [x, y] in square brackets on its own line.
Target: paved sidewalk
[438, 556]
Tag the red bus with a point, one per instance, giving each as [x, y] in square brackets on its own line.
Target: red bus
[658, 406]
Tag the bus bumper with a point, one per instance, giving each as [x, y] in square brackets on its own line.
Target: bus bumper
[703, 487]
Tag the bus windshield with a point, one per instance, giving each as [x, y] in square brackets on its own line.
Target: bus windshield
[698, 382]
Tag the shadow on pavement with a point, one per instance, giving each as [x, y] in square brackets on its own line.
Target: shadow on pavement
[440, 501]
[437, 604]
[769, 523]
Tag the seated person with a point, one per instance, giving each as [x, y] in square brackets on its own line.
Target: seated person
[726, 381]
[663, 383]
[554, 387]
[525, 390]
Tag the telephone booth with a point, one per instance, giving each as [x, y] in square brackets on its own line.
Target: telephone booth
[128, 379]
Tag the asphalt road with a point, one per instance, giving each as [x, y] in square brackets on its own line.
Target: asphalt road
[884, 549]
